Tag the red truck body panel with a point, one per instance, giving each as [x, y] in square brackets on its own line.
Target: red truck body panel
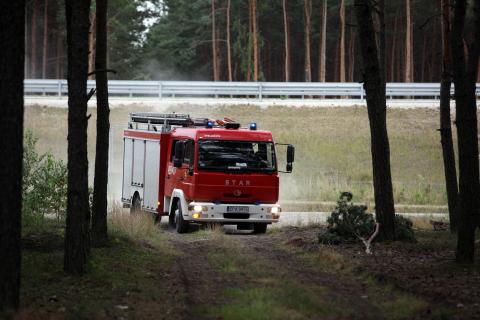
[209, 186]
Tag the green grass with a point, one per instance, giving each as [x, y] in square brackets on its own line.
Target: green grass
[273, 292]
[332, 147]
[122, 279]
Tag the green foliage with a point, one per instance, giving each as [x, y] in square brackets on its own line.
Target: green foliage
[403, 229]
[44, 189]
[349, 221]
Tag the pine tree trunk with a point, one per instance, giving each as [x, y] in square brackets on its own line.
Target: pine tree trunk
[464, 75]
[99, 207]
[229, 44]
[392, 54]
[351, 55]
[12, 59]
[255, 41]
[408, 42]
[322, 42]
[381, 40]
[400, 60]
[445, 120]
[287, 41]
[45, 41]
[77, 238]
[307, 8]
[214, 44]
[91, 44]
[341, 43]
[423, 64]
[376, 104]
[219, 56]
[33, 49]
[250, 42]
[59, 62]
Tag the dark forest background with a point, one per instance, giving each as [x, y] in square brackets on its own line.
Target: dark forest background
[177, 39]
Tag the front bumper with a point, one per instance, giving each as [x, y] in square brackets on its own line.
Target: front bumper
[219, 213]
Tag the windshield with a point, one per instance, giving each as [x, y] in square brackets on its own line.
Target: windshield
[221, 155]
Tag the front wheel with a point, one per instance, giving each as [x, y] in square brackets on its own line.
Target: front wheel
[259, 228]
[180, 223]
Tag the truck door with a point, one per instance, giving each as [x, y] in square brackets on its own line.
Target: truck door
[182, 178]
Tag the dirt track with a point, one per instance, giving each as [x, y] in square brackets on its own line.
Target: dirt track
[212, 264]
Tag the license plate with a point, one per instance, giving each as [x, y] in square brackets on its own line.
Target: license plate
[237, 209]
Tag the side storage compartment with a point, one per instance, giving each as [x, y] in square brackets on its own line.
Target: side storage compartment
[152, 175]
[127, 169]
[138, 163]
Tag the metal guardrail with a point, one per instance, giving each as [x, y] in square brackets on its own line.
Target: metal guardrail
[258, 90]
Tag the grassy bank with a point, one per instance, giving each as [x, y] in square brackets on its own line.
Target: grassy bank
[332, 148]
[122, 280]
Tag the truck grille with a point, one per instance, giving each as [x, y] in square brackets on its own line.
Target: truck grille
[236, 215]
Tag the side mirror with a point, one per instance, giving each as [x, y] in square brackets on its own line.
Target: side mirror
[179, 153]
[290, 153]
[290, 157]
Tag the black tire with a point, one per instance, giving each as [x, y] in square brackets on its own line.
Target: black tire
[157, 218]
[180, 224]
[171, 219]
[136, 206]
[259, 228]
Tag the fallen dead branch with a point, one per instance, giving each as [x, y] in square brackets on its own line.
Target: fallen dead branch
[368, 242]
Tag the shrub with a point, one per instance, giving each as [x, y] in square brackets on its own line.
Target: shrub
[44, 189]
[403, 229]
[348, 222]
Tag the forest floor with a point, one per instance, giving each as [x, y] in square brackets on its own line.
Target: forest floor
[151, 272]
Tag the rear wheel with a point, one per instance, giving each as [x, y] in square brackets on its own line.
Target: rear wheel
[180, 223]
[259, 228]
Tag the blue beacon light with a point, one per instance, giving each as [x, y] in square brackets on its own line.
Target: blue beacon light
[253, 126]
[210, 124]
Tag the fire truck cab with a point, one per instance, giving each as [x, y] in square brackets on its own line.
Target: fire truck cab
[201, 171]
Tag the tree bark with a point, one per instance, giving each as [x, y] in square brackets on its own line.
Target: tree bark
[99, 207]
[216, 72]
[229, 44]
[381, 21]
[250, 41]
[374, 84]
[408, 42]
[45, 41]
[12, 59]
[307, 9]
[91, 45]
[322, 46]
[33, 49]
[59, 60]
[351, 56]
[77, 238]
[287, 41]
[341, 43]
[392, 55]
[424, 65]
[255, 40]
[464, 75]
[445, 119]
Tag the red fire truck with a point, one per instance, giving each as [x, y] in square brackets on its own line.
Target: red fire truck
[201, 171]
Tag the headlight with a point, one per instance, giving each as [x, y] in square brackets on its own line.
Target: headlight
[275, 210]
[198, 208]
